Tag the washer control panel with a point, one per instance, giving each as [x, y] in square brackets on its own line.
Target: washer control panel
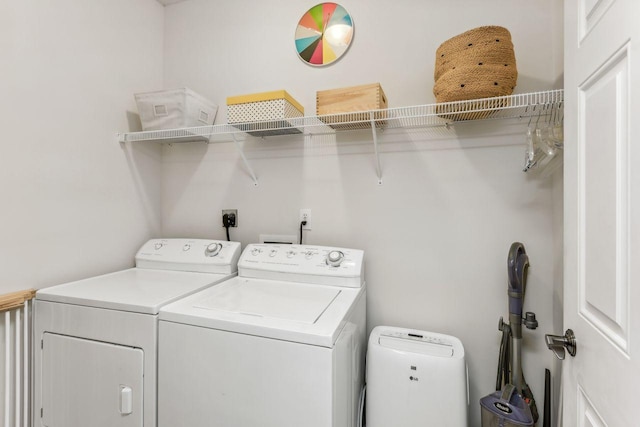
[303, 263]
[199, 255]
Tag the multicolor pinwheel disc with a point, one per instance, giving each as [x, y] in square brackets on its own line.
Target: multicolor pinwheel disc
[324, 34]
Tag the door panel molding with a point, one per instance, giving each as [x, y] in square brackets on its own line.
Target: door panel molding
[588, 415]
[589, 14]
[603, 267]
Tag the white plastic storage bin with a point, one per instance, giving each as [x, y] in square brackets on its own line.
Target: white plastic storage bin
[173, 109]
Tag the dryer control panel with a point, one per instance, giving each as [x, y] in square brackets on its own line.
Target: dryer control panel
[303, 263]
[199, 255]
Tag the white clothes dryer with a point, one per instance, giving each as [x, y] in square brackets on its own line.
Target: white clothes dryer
[96, 339]
[280, 345]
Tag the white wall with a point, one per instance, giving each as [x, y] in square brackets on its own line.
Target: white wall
[437, 232]
[75, 202]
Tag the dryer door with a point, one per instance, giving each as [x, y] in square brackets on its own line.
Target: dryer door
[90, 383]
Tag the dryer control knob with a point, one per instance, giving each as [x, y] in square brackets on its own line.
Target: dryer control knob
[158, 246]
[335, 258]
[213, 249]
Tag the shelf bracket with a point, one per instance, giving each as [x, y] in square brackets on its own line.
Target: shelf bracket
[375, 146]
[244, 159]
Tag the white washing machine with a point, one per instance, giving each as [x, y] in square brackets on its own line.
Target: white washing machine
[280, 345]
[96, 339]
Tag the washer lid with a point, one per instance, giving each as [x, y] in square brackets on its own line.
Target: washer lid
[289, 311]
[279, 300]
[137, 290]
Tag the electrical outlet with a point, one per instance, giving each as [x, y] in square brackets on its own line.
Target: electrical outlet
[232, 215]
[305, 215]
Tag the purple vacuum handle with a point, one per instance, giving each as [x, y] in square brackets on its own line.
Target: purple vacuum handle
[517, 265]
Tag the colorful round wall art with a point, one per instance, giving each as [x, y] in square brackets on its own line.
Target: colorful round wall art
[324, 34]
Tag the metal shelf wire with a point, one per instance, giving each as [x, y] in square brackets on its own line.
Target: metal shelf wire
[519, 106]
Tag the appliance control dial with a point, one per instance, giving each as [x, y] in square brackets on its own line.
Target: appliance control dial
[213, 249]
[335, 258]
[256, 251]
[158, 246]
[186, 247]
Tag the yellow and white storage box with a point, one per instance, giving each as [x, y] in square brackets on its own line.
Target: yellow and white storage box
[265, 113]
[174, 109]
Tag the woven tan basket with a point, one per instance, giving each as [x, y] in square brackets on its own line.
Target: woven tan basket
[479, 63]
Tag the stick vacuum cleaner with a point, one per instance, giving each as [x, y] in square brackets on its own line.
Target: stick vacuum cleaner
[512, 404]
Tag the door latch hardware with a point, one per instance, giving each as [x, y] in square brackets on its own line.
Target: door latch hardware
[558, 343]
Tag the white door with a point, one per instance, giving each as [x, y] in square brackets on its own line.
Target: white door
[602, 212]
[89, 383]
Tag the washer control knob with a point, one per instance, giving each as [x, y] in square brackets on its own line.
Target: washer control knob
[273, 253]
[158, 246]
[255, 251]
[335, 258]
[213, 249]
[290, 254]
[186, 247]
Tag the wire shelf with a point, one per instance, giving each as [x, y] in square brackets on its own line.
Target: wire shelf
[528, 105]
[444, 116]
